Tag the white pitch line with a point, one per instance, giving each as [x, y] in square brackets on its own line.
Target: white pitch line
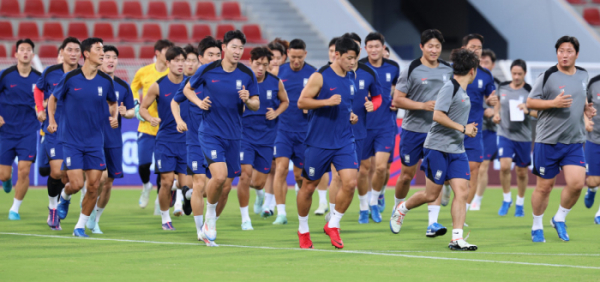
[499, 253]
[316, 250]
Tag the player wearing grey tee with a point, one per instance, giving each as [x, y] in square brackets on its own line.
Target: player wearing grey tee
[592, 149]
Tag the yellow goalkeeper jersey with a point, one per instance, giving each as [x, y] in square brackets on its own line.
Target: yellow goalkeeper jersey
[144, 77]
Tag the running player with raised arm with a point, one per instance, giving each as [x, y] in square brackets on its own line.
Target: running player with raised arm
[445, 158]
[592, 147]
[82, 131]
[19, 121]
[560, 97]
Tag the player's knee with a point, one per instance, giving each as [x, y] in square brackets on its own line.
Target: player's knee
[381, 169]
[522, 174]
[259, 184]
[593, 181]
[4, 176]
[245, 176]
[430, 197]
[505, 169]
[351, 184]
[405, 178]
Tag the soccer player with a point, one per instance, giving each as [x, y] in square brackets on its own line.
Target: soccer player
[170, 147]
[192, 61]
[332, 49]
[416, 92]
[381, 124]
[386, 52]
[113, 141]
[293, 125]
[591, 150]
[514, 136]
[143, 79]
[18, 121]
[259, 131]
[560, 97]
[445, 158]
[82, 131]
[52, 146]
[279, 49]
[228, 87]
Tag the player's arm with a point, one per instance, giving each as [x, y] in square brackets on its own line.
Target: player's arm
[252, 103]
[284, 103]
[402, 102]
[147, 101]
[136, 85]
[190, 94]
[38, 96]
[561, 101]
[443, 119]
[307, 99]
[496, 119]
[176, 109]
[52, 126]
[127, 107]
[490, 94]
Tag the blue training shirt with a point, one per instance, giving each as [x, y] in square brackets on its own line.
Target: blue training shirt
[482, 87]
[256, 128]
[366, 82]
[167, 129]
[294, 119]
[112, 136]
[46, 83]
[388, 74]
[190, 113]
[17, 103]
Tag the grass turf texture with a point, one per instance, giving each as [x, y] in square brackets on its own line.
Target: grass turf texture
[137, 249]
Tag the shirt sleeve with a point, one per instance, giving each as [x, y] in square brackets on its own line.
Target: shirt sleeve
[198, 78]
[396, 74]
[136, 84]
[490, 87]
[41, 83]
[2, 81]
[179, 96]
[536, 90]
[252, 86]
[128, 99]
[61, 89]
[444, 98]
[110, 94]
[375, 87]
[403, 82]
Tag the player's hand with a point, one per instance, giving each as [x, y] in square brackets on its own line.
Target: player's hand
[181, 127]
[244, 94]
[590, 111]
[154, 121]
[589, 126]
[114, 122]
[353, 118]
[271, 114]
[1, 121]
[41, 116]
[393, 109]
[496, 119]
[305, 112]
[369, 105]
[334, 100]
[429, 106]
[492, 100]
[206, 104]
[137, 113]
[52, 126]
[523, 107]
[471, 130]
[562, 100]
[122, 109]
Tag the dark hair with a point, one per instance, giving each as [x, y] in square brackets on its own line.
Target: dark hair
[86, 44]
[25, 40]
[333, 41]
[174, 52]
[375, 36]
[519, 63]
[431, 34]
[234, 34]
[111, 48]
[190, 49]
[568, 39]
[284, 43]
[162, 44]
[345, 44]
[489, 53]
[259, 52]
[297, 44]
[463, 61]
[353, 36]
[208, 42]
[276, 46]
[470, 37]
[69, 40]
[387, 49]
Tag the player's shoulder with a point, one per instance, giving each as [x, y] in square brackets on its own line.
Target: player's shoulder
[527, 87]
[546, 75]
[504, 84]
[391, 62]
[36, 72]
[455, 86]
[486, 72]
[324, 68]
[105, 76]
[309, 67]
[7, 71]
[161, 79]
[71, 74]
[245, 69]
[444, 64]
[366, 68]
[53, 68]
[122, 82]
[413, 65]
[594, 80]
[210, 66]
[364, 60]
[581, 69]
[272, 77]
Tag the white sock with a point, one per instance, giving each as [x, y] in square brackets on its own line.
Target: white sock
[82, 220]
[334, 222]
[303, 226]
[507, 196]
[52, 202]
[156, 201]
[322, 197]
[281, 210]
[245, 215]
[199, 219]
[331, 207]
[64, 195]
[188, 195]
[363, 203]
[260, 193]
[16, 205]
[434, 212]
[397, 201]
[537, 222]
[99, 212]
[369, 195]
[457, 234]
[268, 199]
[593, 189]
[374, 198]
[403, 208]
[520, 201]
[147, 186]
[165, 216]
[477, 199]
[598, 213]
[178, 197]
[174, 185]
[468, 206]
[211, 210]
[272, 202]
[561, 214]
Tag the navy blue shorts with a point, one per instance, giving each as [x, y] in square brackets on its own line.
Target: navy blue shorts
[146, 144]
[490, 145]
[592, 158]
[171, 157]
[83, 158]
[318, 160]
[411, 147]
[474, 148]
[219, 150]
[439, 166]
[290, 145]
[379, 140]
[519, 152]
[42, 158]
[195, 160]
[548, 159]
[361, 152]
[259, 156]
[23, 147]
[114, 162]
[53, 148]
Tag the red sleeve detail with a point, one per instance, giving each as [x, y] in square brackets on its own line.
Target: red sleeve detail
[376, 102]
[38, 95]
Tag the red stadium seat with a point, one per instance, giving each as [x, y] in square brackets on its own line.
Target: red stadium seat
[246, 54]
[158, 10]
[577, 2]
[2, 51]
[84, 9]
[48, 51]
[178, 33]
[222, 29]
[35, 9]
[199, 31]
[147, 52]
[59, 9]
[53, 31]
[596, 1]
[29, 30]
[122, 74]
[108, 9]
[126, 52]
[13, 51]
[105, 31]
[6, 31]
[232, 11]
[181, 10]
[592, 16]
[206, 11]
[10, 9]
[151, 32]
[128, 32]
[132, 10]
[253, 34]
[78, 30]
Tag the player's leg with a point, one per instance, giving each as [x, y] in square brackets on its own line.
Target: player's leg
[461, 190]
[243, 193]
[482, 182]
[322, 190]
[381, 162]
[21, 188]
[55, 187]
[269, 202]
[146, 144]
[73, 178]
[505, 179]
[593, 173]
[575, 180]
[303, 202]
[280, 185]
[91, 196]
[430, 194]
[362, 184]
[522, 180]
[334, 187]
[164, 198]
[407, 174]
[181, 179]
[104, 192]
[8, 153]
[545, 160]
[197, 201]
[474, 173]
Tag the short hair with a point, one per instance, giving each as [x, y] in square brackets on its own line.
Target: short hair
[470, 37]
[190, 49]
[162, 44]
[519, 63]
[174, 52]
[431, 34]
[208, 42]
[489, 53]
[25, 40]
[68, 40]
[234, 34]
[353, 36]
[276, 46]
[108, 48]
[375, 36]
[333, 41]
[86, 44]
[463, 61]
[259, 52]
[568, 39]
[387, 49]
[284, 43]
[298, 44]
[345, 44]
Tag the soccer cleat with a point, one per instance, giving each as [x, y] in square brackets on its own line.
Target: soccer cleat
[461, 245]
[210, 229]
[363, 217]
[96, 229]
[266, 213]
[80, 232]
[519, 211]
[396, 220]
[323, 208]
[475, 206]
[168, 226]
[247, 225]
[91, 223]
[13, 215]
[305, 241]
[202, 237]
[258, 202]
[280, 220]
[53, 220]
[504, 208]
[63, 208]
[57, 228]
[187, 203]
[435, 229]
[7, 185]
[561, 229]
[381, 202]
[145, 197]
[328, 216]
[597, 220]
[178, 209]
[446, 195]
[589, 198]
[537, 236]
[334, 235]
[375, 214]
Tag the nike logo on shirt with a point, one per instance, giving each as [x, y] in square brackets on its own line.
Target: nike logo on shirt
[167, 95]
[54, 84]
[213, 81]
[12, 85]
[76, 89]
[331, 89]
[561, 87]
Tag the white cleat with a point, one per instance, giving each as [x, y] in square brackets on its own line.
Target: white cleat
[475, 206]
[144, 198]
[461, 245]
[91, 223]
[446, 195]
[178, 209]
[203, 238]
[396, 220]
[96, 229]
[323, 208]
[328, 216]
[210, 229]
[247, 225]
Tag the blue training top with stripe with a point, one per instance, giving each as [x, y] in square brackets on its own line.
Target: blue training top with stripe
[224, 118]
[294, 119]
[167, 129]
[388, 74]
[329, 127]
[256, 128]
[17, 105]
[46, 83]
[190, 113]
[482, 86]
[366, 82]
[112, 136]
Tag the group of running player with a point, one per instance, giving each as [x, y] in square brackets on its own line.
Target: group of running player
[205, 119]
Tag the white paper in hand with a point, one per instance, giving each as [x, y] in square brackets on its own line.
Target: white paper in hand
[516, 114]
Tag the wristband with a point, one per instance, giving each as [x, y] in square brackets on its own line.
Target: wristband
[464, 129]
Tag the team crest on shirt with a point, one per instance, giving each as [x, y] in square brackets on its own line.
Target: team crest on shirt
[500, 151]
[213, 154]
[241, 156]
[598, 96]
[388, 77]
[480, 83]
[269, 94]
[361, 84]
[159, 164]
[238, 84]
[117, 94]
[542, 170]
[305, 81]
[194, 165]
[33, 87]
[52, 152]
[407, 158]
[68, 161]
[351, 89]
[423, 80]
[438, 175]
[311, 171]
[587, 168]
[444, 78]
[99, 90]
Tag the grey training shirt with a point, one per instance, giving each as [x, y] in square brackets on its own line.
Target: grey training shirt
[519, 131]
[594, 97]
